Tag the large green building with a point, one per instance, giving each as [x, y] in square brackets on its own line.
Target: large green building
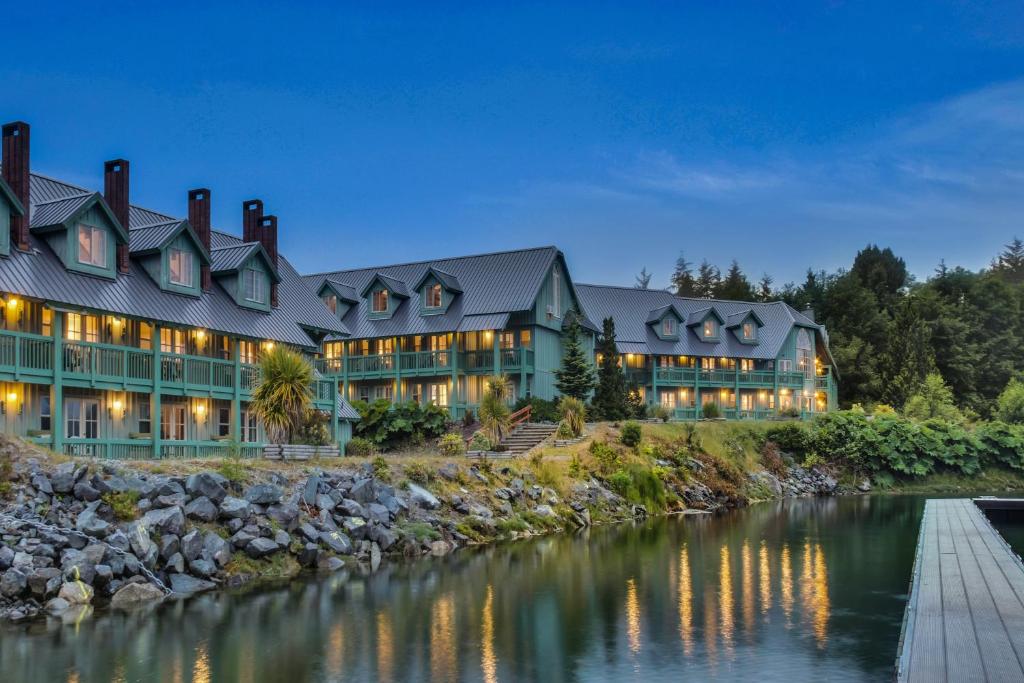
[131, 333]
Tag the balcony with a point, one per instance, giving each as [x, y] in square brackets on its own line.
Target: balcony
[25, 356]
[426, 363]
[142, 449]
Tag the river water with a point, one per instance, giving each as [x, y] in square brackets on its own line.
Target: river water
[809, 589]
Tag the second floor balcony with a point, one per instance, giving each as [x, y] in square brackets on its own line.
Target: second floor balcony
[428, 363]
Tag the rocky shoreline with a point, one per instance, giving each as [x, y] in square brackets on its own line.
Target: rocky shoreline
[80, 533]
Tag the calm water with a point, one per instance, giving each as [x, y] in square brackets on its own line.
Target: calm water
[787, 591]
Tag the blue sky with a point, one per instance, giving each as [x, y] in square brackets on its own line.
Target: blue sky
[784, 134]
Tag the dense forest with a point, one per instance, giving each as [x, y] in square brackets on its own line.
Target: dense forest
[889, 332]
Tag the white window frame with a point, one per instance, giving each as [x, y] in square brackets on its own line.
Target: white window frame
[785, 365]
[668, 327]
[223, 425]
[252, 279]
[179, 263]
[377, 298]
[435, 296]
[749, 331]
[173, 422]
[96, 239]
[331, 301]
[710, 328]
[77, 421]
[439, 394]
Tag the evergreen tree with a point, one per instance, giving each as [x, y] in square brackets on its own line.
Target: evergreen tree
[576, 377]
[708, 280]
[610, 395]
[735, 285]
[764, 289]
[643, 279]
[1010, 263]
[683, 281]
[636, 408]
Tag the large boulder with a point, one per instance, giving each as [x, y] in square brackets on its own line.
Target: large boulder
[378, 513]
[201, 508]
[423, 498]
[216, 548]
[183, 584]
[76, 593]
[191, 545]
[66, 476]
[285, 514]
[336, 541]
[264, 494]
[90, 523]
[13, 583]
[134, 594]
[208, 484]
[235, 508]
[165, 521]
[261, 547]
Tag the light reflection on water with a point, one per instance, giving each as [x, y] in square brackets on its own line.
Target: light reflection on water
[775, 591]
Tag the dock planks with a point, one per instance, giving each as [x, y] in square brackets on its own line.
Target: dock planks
[965, 617]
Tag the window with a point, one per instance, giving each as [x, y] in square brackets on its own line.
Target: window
[668, 399]
[707, 363]
[74, 332]
[172, 341]
[92, 246]
[172, 421]
[364, 393]
[223, 421]
[439, 394]
[668, 327]
[746, 400]
[710, 328]
[83, 418]
[247, 352]
[556, 292]
[785, 365]
[379, 301]
[47, 322]
[249, 431]
[507, 340]
[746, 365]
[253, 286]
[382, 391]
[145, 417]
[331, 302]
[524, 338]
[434, 296]
[145, 336]
[805, 354]
[749, 331]
[181, 267]
[44, 412]
[83, 327]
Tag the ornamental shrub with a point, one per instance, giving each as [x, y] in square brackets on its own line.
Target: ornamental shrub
[393, 426]
[451, 445]
[573, 414]
[360, 446]
[607, 457]
[711, 411]
[792, 437]
[631, 434]
[1010, 404]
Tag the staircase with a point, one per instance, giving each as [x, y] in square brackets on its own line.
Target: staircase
[526, 436]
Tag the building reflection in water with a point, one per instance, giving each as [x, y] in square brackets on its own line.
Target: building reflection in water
[765, 576]
[685, 602]
[632, 616]
[201, 668]
[335, 650]
[385, 648]
[725, 600]
[747, 576]
[786, 584]
[442, 639]
[710, 624]
[488, 660]
[821, 601]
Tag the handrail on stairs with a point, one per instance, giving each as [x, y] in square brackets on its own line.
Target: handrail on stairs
[520, 416]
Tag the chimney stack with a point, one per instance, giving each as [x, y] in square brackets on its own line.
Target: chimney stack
[252, 214]
[115, 192]
[268, 238]
[199, 218]
[16, 173]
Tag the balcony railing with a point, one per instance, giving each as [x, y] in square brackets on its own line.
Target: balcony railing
[142, 449]
[107, 363]
[425, 363]
[22, 353]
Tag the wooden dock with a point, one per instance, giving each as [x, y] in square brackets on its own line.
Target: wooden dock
[965, 617]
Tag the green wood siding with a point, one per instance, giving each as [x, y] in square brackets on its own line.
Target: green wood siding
[5, 227]
[546, 298]
[446, 298]
[393, 302]
[96, 218]
[184, 243]
[238, 291]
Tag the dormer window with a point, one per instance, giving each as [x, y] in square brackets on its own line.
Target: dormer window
[180, 262]
[379, 301]
[331, 301]
[252, 282]
[92, 246]
[433, 293]
[749, 331]
[668, 327]
[710, 328]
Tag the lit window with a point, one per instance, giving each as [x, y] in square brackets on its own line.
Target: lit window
[82, 418]
[92, 246]
[172, 422]
[331, 302]
[434, 296]
[748, 331]
[253, 286]
[668, 399]
[786, 365]
[439, 394]
[668, 327]
[181, 267]
[74, 332]
[710, 328]
[379, 302]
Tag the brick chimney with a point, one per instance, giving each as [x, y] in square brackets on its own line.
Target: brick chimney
[268, 238]
[199, 219]
[252, 214]
[16, 173]
[115, 192]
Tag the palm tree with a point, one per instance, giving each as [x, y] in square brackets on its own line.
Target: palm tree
[283, 395]
[494, 411]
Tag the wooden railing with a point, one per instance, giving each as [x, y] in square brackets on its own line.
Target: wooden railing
[21, 352]
[520, 416]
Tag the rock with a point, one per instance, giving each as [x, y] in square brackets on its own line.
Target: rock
[285, 514]
[264, 494]
[6, 558]
[140, 542]
[261, 547]
[363, 491]
[282, 538]
[175, 563]
[235, 508]
[202, 568]
[201, 508]
[64, 477]
[208, 484]
[355, 527]
[325, 502]
[41, 483]
[119, 540]
[374, 557]
[216, 548]
[13, 583]
[57, 605]
[84, 491]
[382, 536]
[172, 500]
[167, 487]
[165, 521]
[242, 538]
[89, 522]
[449, 471]
[76, 593]
[544, 511]
[333, 564]
[309, 555]
[191, 545]
[134, 594]
[864, 486]
[104, 575]
[378, 513]
[309, 491]
[183, 584]
[422, 497]
[338, 542]
[169, 545]
[439, 548]
[352, 508]
[308, 531]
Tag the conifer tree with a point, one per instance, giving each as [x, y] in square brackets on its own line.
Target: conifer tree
[576, 376]
[643, 279]
[735, 285]
[708, 280]
[610, 396]
[683, 281]
[765, 292]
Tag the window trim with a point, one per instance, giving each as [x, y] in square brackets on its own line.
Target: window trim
[668, 326]
[81, 422]
[710, 328]
[93, 232]
[430, 292]
[384, 297]
[184, 265]
[253, 276]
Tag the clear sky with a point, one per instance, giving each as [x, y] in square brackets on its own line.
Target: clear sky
[784, 134]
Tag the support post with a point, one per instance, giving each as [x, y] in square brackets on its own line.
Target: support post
[736, 386]
[155, 409]
[497, 352]
[236, 399]
[397, 360]
[57, 400]
[654, 381]
[697, 407]
[522, 372]
[454, 346]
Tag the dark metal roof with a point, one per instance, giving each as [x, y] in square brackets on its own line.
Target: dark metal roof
[658, 313]
[396, 287]
[153, 238]
[630, 307]
[495, 283]
[343, 291]
[346, 411]
[12, 199]
[39, 273]
[447, 280]
[486, 321]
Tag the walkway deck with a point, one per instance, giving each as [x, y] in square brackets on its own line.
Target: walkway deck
[965, 617]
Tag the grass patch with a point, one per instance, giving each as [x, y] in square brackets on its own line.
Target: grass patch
[233, 470]
[515, 523]
[421, 531]
[123, 503]
[280, 565]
